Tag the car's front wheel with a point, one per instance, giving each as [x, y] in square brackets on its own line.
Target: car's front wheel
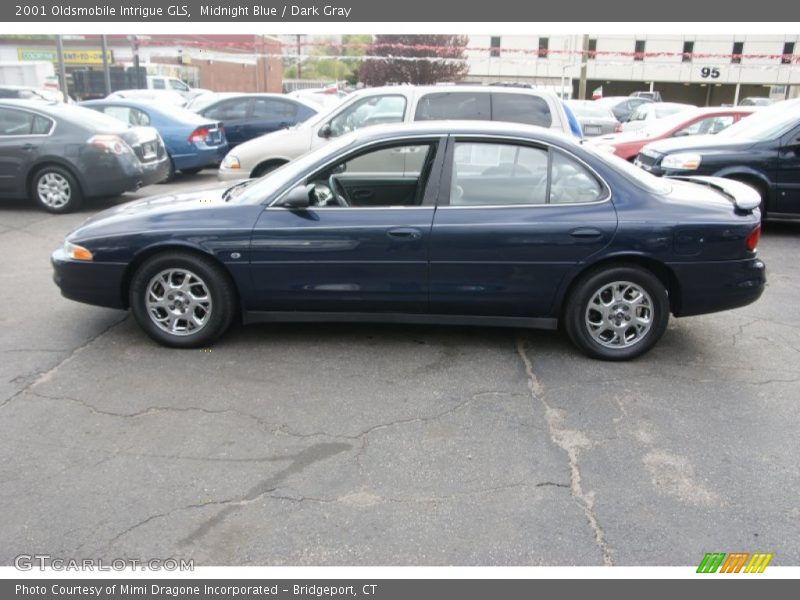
[182, 300]
[617, 313]
[56, 190]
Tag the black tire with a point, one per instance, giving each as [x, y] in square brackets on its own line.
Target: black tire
[194, 171]
[59, 176]
[575, 313]
[219, 288]
[265, 168]
[170, 174]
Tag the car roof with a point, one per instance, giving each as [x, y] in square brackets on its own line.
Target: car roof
[412, 90]
[170, 111]
[233, 95]
[467, 128]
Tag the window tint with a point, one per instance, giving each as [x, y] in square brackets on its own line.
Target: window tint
[487, 174]
[521, 108]
[709, 125]
[229, 110]
[15, 122]
[373, 110]
[128, 115]
[276, 110]
[498, 174]
[571, 182]
[178, 85]
[387, 176]
[454, 105]
[41, 125]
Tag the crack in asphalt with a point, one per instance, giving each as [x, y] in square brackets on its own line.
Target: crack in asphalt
[571, 442]
[36, 378]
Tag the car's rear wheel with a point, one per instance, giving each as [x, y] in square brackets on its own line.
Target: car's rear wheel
[617, 313]
[55, 189]
[182, 300]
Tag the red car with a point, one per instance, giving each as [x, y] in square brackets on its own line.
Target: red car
[689, 122]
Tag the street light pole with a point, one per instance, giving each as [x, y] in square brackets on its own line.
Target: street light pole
[584, 65]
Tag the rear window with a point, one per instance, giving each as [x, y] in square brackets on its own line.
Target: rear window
[521, 108]
[88, 118]
[454, 105]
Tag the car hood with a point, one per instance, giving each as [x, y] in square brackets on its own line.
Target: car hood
[698, 143]
[167, 210]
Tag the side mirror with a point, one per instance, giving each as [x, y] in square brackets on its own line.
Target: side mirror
[297, 197]
[325, 131]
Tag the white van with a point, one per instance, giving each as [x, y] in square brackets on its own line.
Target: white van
[395, 104]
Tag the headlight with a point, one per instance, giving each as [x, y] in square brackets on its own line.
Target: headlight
[76, 252]
[685, 161]
[231, 162]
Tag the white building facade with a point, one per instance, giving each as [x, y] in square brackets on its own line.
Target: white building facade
[702, 70]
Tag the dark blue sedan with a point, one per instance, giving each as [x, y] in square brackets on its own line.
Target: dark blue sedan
[247, 116]
[454, 223]
[193, 142]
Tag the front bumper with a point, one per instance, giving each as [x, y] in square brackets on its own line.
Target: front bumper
[708, 287]
[232, 174]
[89, 282]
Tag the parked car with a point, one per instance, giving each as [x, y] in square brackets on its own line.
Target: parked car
[646, 114]
[162, 82]
[246, 116]
[468, 223]
[762, 151]
[192, 141]
[700, 121]
[622, 106]
[205, 99]
[23, 92]
[323, 97]
[395, 104]
[756, 101]
[58, 154]
[654, 96]
[153, 96]
[594, 118]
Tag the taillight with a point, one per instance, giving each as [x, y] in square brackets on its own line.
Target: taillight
[751, 241]
[109, 143]
[198, 135]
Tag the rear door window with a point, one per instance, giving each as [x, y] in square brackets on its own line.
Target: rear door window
[273, 110]
[521, 108]
[229, 110]
[15, 122]
[454, 105]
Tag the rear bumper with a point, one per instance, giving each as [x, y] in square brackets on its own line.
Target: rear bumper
[206, 157]
[112, 175]
[89, 282]
[708, 287]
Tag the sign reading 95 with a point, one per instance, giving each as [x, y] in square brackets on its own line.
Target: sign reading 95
[712, 72]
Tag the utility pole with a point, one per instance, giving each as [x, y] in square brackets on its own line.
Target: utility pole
[106, 72]
[299, 60]
[584, 65]
[62, 72]
[135, 51]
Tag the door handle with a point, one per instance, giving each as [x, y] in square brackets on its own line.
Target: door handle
[28, 146]
[404, 233]
[586, 233]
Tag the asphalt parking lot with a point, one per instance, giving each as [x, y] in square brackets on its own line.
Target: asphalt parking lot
[385, 445]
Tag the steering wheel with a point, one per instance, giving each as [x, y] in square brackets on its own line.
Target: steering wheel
[338, 191]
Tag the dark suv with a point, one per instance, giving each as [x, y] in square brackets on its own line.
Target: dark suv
[58, 154]
[762, 151]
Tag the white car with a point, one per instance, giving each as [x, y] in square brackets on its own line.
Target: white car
[646, 114]
[395, 104]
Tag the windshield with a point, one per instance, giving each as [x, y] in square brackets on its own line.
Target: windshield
[766, 124]
[665, 125]
[637, 176]
[590, 110]
[286, 174]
